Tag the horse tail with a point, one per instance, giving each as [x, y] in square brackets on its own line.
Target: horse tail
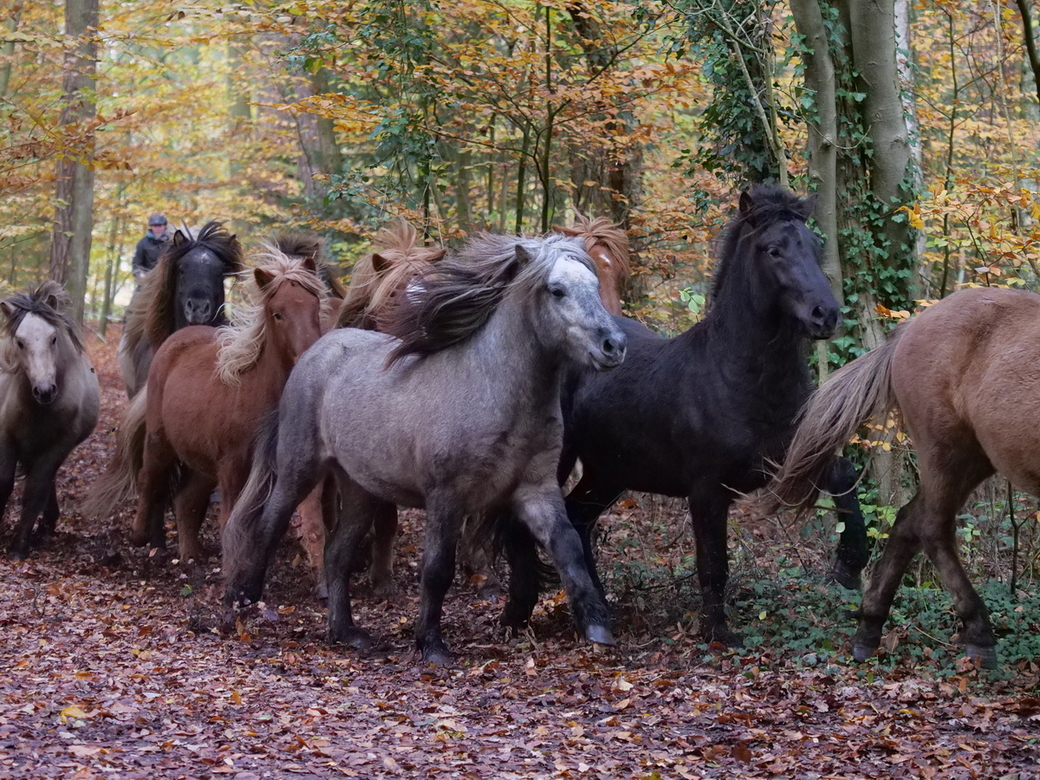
[119, 482]
[856, 393]
[242, 525]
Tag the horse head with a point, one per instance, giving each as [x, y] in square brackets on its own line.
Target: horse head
[195, 269]
[292, 306]
[780, 255]
[38, 338]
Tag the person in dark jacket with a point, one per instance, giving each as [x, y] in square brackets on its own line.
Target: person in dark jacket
[151, 246]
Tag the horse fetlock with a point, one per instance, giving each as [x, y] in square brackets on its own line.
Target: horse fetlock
[721, 633]
[846, 575]
[435, 652]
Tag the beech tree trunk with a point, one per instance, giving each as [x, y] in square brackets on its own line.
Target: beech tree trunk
[74, 213]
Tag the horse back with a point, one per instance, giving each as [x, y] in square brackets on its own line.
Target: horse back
[965, 375]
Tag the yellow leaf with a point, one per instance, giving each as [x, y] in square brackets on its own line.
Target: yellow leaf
[74, 712]
[236, 697]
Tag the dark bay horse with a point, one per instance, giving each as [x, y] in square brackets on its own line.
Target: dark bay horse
[186, 287]
[207, 390]
[49, 402]
[702, 415]
[462, 416]
[962, 375]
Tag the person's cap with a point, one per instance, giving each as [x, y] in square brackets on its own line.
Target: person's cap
[157, 219]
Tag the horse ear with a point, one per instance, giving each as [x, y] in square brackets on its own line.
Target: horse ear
[522, 255]
[379, 263]
[565, 230]
[7, 309]
[747, 205]
[806, 206]
[438, 256]
[179, 239]
[263, 278]
[310, 263]
[53, 300]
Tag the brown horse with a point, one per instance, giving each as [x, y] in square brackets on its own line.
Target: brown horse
[207, 391]
[186, 287]
[607, 245]
[962, 376]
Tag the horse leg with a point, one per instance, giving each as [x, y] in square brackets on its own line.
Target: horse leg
[39, 484]
[709, 512]
[440, 541]
[853, 545]
[189, 510]
[342, 547]
[903, 544]
[311, 533]
[521, 552]
[589, 499]
[381, 569]
[542, 510]
[51, 513]
[153, 489]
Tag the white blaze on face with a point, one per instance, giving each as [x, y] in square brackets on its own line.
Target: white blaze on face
[36, 342]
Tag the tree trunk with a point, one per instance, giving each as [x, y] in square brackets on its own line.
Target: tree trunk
[823, 151]
[7, 51]
[74, 214]
[331, 155]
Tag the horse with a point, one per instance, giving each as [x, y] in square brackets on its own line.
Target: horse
[461, 416]
[207, 391]
[186, 287]
[702, 414]
[49, 403]
[607, 244]
[961, 375]
[378, 278]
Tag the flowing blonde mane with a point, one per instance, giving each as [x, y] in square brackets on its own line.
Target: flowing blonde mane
[242, 341]
[371, 290]
[602, 231]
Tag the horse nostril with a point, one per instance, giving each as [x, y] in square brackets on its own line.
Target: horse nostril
[818, 314]
[609, 347]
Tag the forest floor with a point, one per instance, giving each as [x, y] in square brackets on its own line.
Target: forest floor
[114, 665]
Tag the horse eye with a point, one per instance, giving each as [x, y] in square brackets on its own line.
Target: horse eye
[54, 340]
[557, 292]
[278, 316]
[21, 344]
[774, 252]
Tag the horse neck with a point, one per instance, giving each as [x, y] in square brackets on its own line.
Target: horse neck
[271, 371]
[514, 359]
[756, 336]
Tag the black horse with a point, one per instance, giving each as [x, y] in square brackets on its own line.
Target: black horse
[704, 414]
[186, 287]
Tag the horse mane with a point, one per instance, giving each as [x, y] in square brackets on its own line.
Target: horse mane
[36, 302]
[306, 243]
[242, 341]
[454, 299]
[370, 289]
[763, 204]
[152, 316]
[601, 230]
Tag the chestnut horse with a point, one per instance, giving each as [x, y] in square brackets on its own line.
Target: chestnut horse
[49, 401]
[607, 245]
[962, 375]
[186, 287]
[207, 391]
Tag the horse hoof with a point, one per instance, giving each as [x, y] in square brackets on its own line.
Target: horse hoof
[384, 589]
[862, 652]
[18, 555]
[513, 618]
[599, 635]
[357, 638]
[439, 658]
[725, 636]
[987, 655]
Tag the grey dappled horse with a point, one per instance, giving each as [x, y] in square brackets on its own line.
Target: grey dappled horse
[461, 417]
[49, 402]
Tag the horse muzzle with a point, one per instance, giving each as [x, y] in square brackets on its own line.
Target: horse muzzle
[198, 312]
[45, 394]
[610, 351]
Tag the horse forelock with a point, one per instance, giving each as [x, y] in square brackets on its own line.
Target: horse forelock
[601, 230]
[242, 341]
[371, 291]
[456, 297]
[34, 302]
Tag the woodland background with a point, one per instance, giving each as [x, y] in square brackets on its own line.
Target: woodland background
[915, 122]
